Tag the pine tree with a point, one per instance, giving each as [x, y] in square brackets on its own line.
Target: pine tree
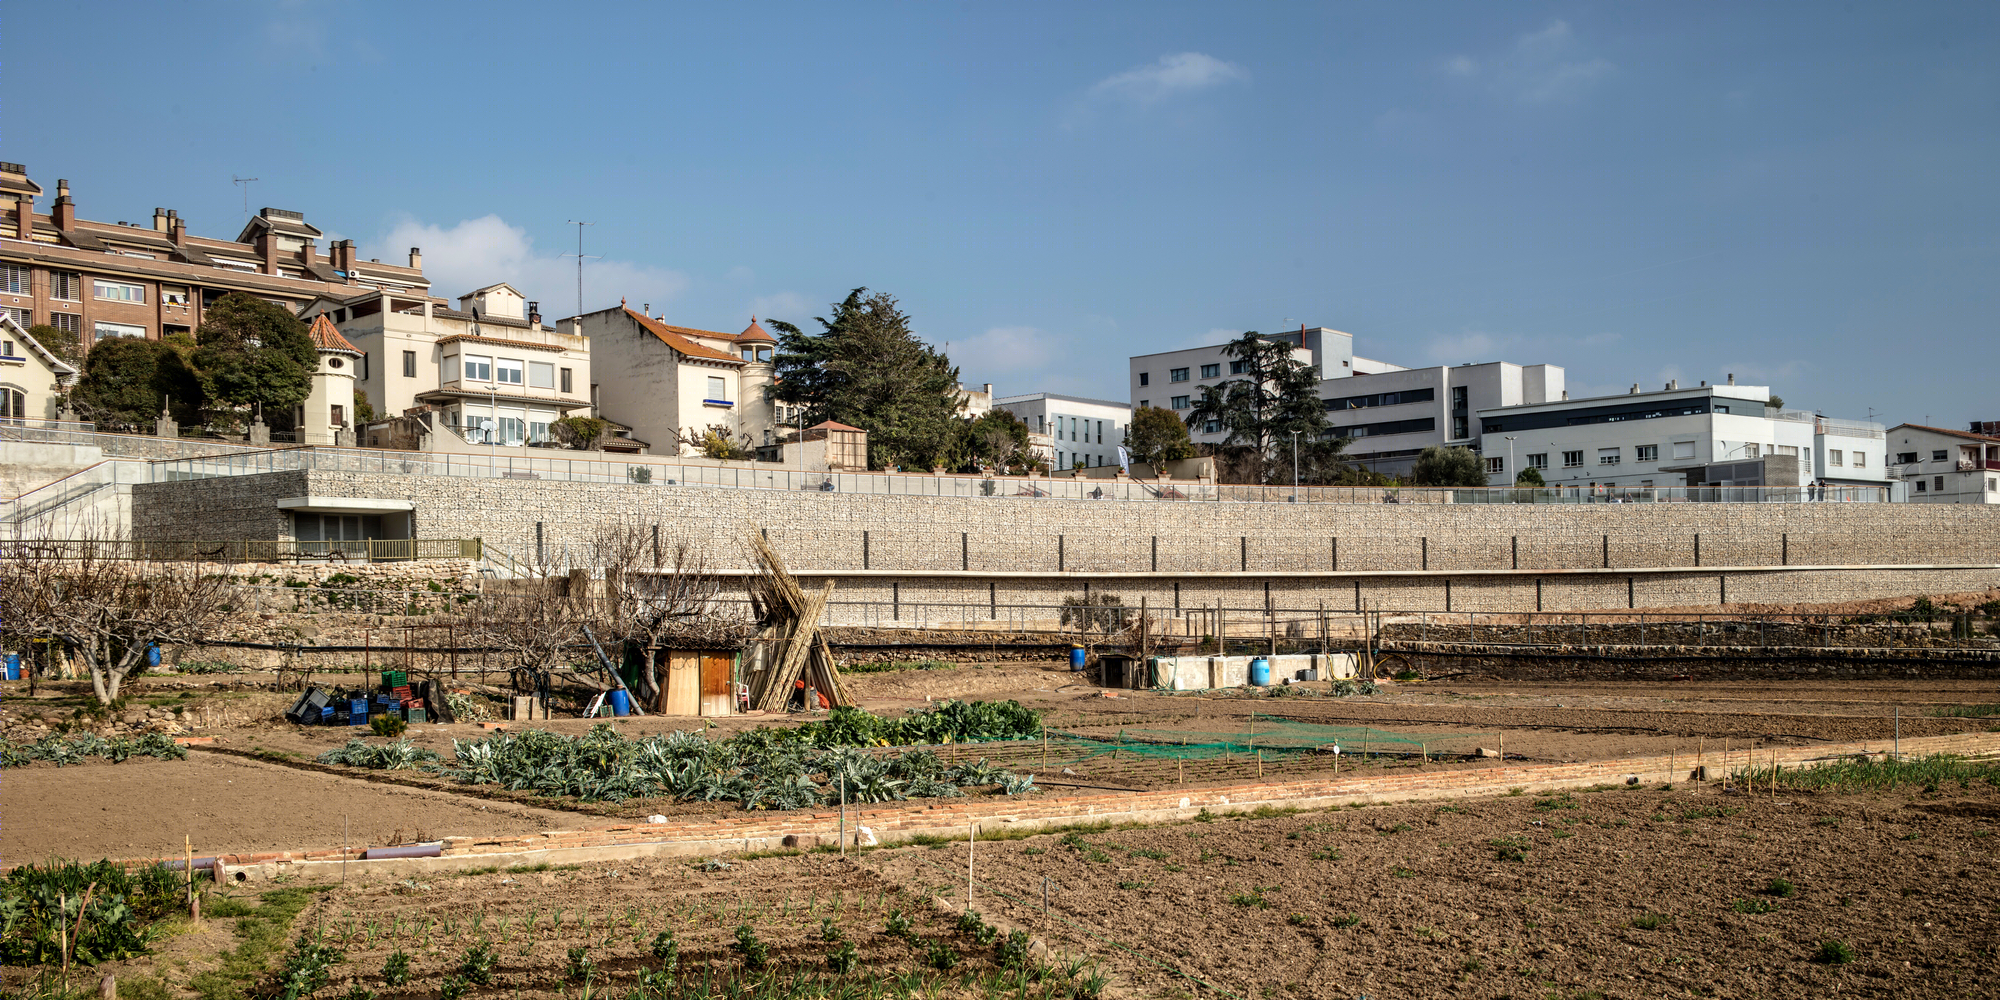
[866, 368]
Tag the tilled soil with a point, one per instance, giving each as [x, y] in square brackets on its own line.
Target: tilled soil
[1617, 893]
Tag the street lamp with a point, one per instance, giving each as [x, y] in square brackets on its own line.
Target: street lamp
[1509, 471]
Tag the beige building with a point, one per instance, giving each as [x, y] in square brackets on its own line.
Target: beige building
[98, 280]
[671, 384]
[485, 376]
[327, 415]
[32, 380]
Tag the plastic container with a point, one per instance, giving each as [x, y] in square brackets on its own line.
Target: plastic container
[393, 679]
[153, 655]
[358, 707]
[1260, 672]
[418, 715]
[1076, 657]
[13, 666]
[621, 702]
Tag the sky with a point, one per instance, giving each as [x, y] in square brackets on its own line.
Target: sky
[1801, 194]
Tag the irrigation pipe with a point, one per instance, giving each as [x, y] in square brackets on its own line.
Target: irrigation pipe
[1003, 894]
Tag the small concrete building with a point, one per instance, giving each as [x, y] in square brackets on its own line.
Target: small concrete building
[33, 381]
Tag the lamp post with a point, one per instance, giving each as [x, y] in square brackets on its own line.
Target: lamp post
[1509, 471]
[1295, 463]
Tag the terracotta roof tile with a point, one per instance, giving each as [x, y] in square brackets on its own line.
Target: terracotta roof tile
[676, 337]
[755, 333]
[1968, 435]
[326, 338]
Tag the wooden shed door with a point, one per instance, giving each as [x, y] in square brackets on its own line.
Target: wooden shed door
[683, 688]
[718, 675]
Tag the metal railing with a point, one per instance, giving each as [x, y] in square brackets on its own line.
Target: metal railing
[370, 550]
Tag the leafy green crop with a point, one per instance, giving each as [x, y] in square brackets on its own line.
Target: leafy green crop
[75, 749]
[35, 901]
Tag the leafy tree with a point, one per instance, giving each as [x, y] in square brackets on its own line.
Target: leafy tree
[716, 442]
[1155, 436]
[1530, 477]
[579, 432]
[867, 368]
[65, 346]
[1000, 439]
[364, 411]
[250, 351]
[1277, 396]
[126, 380]
[1776, 403]
[1441, 466]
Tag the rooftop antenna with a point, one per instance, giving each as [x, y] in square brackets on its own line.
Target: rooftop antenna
[580, 258]
[244, 183]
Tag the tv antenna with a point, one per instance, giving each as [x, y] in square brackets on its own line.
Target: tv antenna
[244, 183]
[580, 258]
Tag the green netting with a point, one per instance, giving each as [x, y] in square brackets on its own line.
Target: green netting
[1268, 736]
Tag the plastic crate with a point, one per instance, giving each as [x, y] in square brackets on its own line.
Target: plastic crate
[393, 679]
[417, 715]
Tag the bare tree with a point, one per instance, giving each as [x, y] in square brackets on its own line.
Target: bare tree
[656, 588]
[108, 610]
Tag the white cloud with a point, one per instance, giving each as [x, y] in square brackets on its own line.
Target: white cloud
[1002, 350]
[1180, 73]
[1542, 67]
[1465, 347]
[479, 252]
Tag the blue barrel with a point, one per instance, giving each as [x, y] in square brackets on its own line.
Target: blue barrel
[153, 655]
[621, 702]
[1260, 672]
[1076, 655]
[13, 666]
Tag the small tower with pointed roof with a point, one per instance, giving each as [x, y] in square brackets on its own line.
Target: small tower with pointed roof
[328, 413]
[754, 416]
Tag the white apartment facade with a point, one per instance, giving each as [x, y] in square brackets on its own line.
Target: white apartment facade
[1077, 430]
[1945, 466]
[1709, 435]
[1390, 412]
[672, 383]
[487, 375]
[1849, 452]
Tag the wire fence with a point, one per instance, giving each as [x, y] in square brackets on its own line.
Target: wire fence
[252, 550]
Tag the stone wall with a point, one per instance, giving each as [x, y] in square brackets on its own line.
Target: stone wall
[970, 553]
[1708, 663]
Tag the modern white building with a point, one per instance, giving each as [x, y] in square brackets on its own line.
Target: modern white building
[1849, 452]
[1086, 431]
[1709, 435]
[1391, 412]
[1945, 466]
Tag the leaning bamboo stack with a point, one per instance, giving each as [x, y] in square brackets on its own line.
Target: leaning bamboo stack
[790, 618]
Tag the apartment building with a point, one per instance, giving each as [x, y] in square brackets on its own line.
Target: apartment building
[1945, 466]
[673, 383]
[1709, 435]
[1849, 452]
[486, 375]
[1077, 431]
[1391, 412]
[97, 280]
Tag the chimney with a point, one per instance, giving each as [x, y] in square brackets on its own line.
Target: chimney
[1565, 393]
[1672, 384]
[159, 220]
[177, 229]
[1704, 383]
[989, 388]
[24, 217]
[1635, 389]
[534, 314]
[1732, 378]
[65, 209]
[307, 251]
[417, 258]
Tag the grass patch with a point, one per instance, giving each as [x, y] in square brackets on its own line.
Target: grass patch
[1929, 773]
[264, 931]
[1781, 888]
[1651, 921]
[1966, 711]
[1834, 953]
[1754, 906]
[891, 666]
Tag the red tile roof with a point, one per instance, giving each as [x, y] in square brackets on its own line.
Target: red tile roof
[676, 337]
[755, 333]
[1968, 435]
[326, 338]
[832, 425]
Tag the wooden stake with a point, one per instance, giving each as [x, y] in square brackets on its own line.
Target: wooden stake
[971, 838]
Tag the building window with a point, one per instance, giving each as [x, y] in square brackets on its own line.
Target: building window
[1937, 484]
[69, 323]
[1790, 450]
[1833, 457]
[1211, 371]
[1177, 375]
[1860, 459]
[1238, 367]
[1496, 466]
[118, 291]
[1646, 453]
[478, 368]
[339, 415]
[541, 375]
[1938, 455]
[1683, 449]
[1906, 458]
[1920, 486]
[409, 364]
[1609, 456]
[174, 295]
[1458, 428]
[1145, 378]
[1572, 460]
[365, 366]
[1145, 403]
[1211, 427]
[1100, 432]
[106, 331]
[566, 381]
[1459, 396]
[13, 404]
[65, 285]
[1538, 462]
[15, 280]
[1752, 450]
[507, 370]
[7, 349]
[718, 391]
[1992, 484]
[1180, 402]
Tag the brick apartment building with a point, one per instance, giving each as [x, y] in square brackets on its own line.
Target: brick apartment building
[122, 279]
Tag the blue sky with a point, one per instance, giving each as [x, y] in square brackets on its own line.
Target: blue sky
[1800, 193]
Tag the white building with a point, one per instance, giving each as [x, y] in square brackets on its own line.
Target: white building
[1710, 435]
[33, 381]
[1946, 466]
[674, 383]
[1849, 452]
[1079, 430]
[1406, 409]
